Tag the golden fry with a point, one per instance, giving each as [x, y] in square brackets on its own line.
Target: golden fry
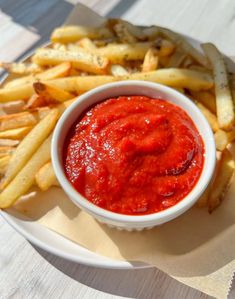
[150, 60]
[80, 59]
[222, 181]
[17, 134]
[51, 93]
[45, 177]
[21, 68]
[17, 120]
[206, 98]
[69, 34]
[224, 102]
[211, 118]
[3, 163]
[26, 176]
[29, 145]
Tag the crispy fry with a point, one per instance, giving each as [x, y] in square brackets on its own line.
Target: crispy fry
[81, 59]
[176, 78]
[17, 120]
[29, 145]
[185, 46]
[58, 71]
[87, 44]
[26, 176]
[119, 53]
[221, 182]
[206, 98]
[35, 101]
[211, 118]
[21, 92]
[45, 177]
[176, 59]
[17, 134]
[69, 34]
[150, 60]
[13, 107]
[51, 93]
[224, 102]
[21, 68]
[164, 47]
[118, 70]
[8, 142]
[222, 139]
[3, 163]
[6, 150]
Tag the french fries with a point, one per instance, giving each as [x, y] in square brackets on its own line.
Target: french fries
[176, 78]
[224, 102]
[29, 145]
[3, 163]
[221, 182]
[185, 46]
[206, 98]
[50, 93]
[17, 120]
[80, 59]
[211, 118]
[45, 177]
[21, 68]
[26, 176]
[17, 134]
[68, 34]
[58, 71]
[150, 60]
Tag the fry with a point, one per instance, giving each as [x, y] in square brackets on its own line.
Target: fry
[3, 164]
[222, 139]
[21, 92]
[81, 59]
[150, 60]
[45, 177]
[224, 102]
[8, 142]
[185, 46]
[119, 53]
[176, 78]
[21, 68]
[29, 145]
[26, 176]
[35, 101]
[176, 59]
[118, 70]
[206, 98]
[211, 118]
[17, 120]
[69, 34]
[13, 107]
[221, 182]
[51, 93]
[58, 71]
[6, 150]
[17, 134]
[87, 44]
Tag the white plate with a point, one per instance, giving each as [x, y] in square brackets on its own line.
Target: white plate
[60, 246]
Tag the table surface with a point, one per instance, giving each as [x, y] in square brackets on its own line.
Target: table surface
[27, 271]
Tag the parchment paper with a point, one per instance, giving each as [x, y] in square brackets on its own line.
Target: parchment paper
[197, 249]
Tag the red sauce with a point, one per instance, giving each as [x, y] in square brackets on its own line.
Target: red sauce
[134, 155]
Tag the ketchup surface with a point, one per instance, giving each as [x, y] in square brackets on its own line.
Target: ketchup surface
[134, 155]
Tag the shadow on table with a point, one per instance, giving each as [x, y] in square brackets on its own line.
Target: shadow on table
[139, 283]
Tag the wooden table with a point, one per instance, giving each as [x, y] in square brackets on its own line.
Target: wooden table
[27, 271]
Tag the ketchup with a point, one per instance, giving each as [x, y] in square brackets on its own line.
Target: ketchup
[134, 155]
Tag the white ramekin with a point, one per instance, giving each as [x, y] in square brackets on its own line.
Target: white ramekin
[129, 222]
